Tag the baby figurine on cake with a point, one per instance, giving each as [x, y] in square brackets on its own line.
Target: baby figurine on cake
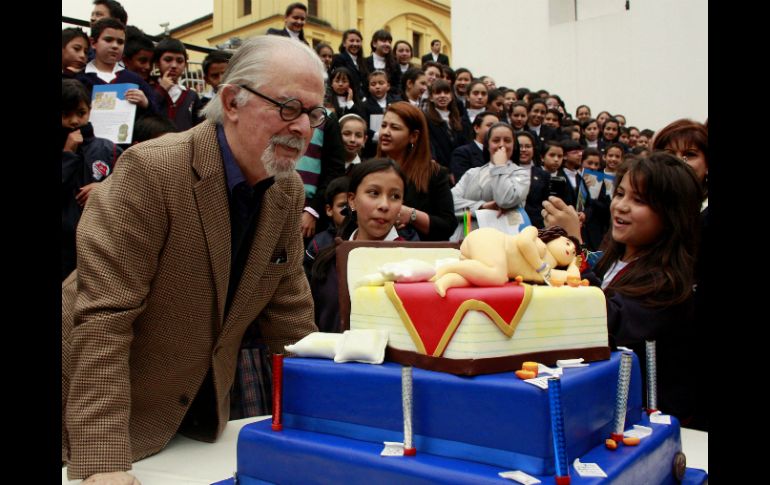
[491, 258]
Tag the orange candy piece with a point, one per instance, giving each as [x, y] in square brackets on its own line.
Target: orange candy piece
[525, 374]
[611, 444]
[530, 366]
[631, 441]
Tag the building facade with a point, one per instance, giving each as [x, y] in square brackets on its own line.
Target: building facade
[647, 60]
[416, 21]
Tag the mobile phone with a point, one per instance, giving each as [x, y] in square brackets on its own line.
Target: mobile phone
[557, 186]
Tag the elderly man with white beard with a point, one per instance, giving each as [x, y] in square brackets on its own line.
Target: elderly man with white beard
[191, 244]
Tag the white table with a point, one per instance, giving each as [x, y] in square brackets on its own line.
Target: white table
[186, 461]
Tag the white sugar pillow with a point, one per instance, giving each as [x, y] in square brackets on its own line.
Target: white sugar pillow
[367, 346]
[316, 344]
[374, 279]
[408, 271]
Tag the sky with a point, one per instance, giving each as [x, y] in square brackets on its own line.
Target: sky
[146, 14]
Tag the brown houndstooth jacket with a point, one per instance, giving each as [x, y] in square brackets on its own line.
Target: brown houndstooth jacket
[142, 317]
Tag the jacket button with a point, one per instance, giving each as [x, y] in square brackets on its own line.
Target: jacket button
[184, 400]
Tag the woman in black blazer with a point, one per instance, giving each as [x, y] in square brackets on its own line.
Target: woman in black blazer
[351, 56]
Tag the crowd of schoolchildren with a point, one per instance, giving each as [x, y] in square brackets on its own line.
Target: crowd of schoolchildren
[408, 150]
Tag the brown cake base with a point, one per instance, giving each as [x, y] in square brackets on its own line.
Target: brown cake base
[472, 367]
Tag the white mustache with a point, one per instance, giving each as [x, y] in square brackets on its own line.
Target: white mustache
[296, 142]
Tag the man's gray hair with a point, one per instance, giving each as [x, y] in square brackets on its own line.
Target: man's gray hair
[254, 63]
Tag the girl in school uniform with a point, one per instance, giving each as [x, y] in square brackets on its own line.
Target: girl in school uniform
[375, 194]
[519, 116]
[610, 134]
[351, 57]
[590, 129]
[445, 127]
[344, 96]
[463, 79]
[647, 269]
[500, 184]
[413, 85]
[477, 99]
[403, 50]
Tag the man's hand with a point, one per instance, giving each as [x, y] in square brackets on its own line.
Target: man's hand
[74, 140]
[308, 224]
[112, 478]
[82, 195]
[136, 96]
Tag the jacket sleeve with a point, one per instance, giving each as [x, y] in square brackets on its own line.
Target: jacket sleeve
[510, 185]
[125, 224]
[460, 195]
[460, 162]
[631, 322]
[155, 106]
[71, 167]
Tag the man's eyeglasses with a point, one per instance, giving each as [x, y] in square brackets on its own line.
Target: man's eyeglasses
[292, 109]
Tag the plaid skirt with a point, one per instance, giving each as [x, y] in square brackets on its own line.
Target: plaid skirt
[252, 391]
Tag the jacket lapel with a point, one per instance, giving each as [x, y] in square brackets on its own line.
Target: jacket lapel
[211, 199]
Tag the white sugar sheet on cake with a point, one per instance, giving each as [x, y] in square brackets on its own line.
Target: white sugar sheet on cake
[572, 318]
[364, 261]
[378, 313]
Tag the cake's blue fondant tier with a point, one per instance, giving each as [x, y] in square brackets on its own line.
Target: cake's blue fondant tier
[496, 419]
[302, 457]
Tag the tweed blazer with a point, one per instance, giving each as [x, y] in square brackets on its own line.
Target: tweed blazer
[143, 316]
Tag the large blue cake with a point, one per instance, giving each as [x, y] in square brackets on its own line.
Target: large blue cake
[466, 429]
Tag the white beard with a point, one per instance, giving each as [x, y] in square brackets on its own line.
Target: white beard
[282, 167]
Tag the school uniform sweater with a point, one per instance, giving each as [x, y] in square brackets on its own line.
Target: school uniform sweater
[91, 162]
[184, 112]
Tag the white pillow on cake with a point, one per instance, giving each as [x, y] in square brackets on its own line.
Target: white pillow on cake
[374, 279]
[317, 344]
[408, 271]
[367, 346]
